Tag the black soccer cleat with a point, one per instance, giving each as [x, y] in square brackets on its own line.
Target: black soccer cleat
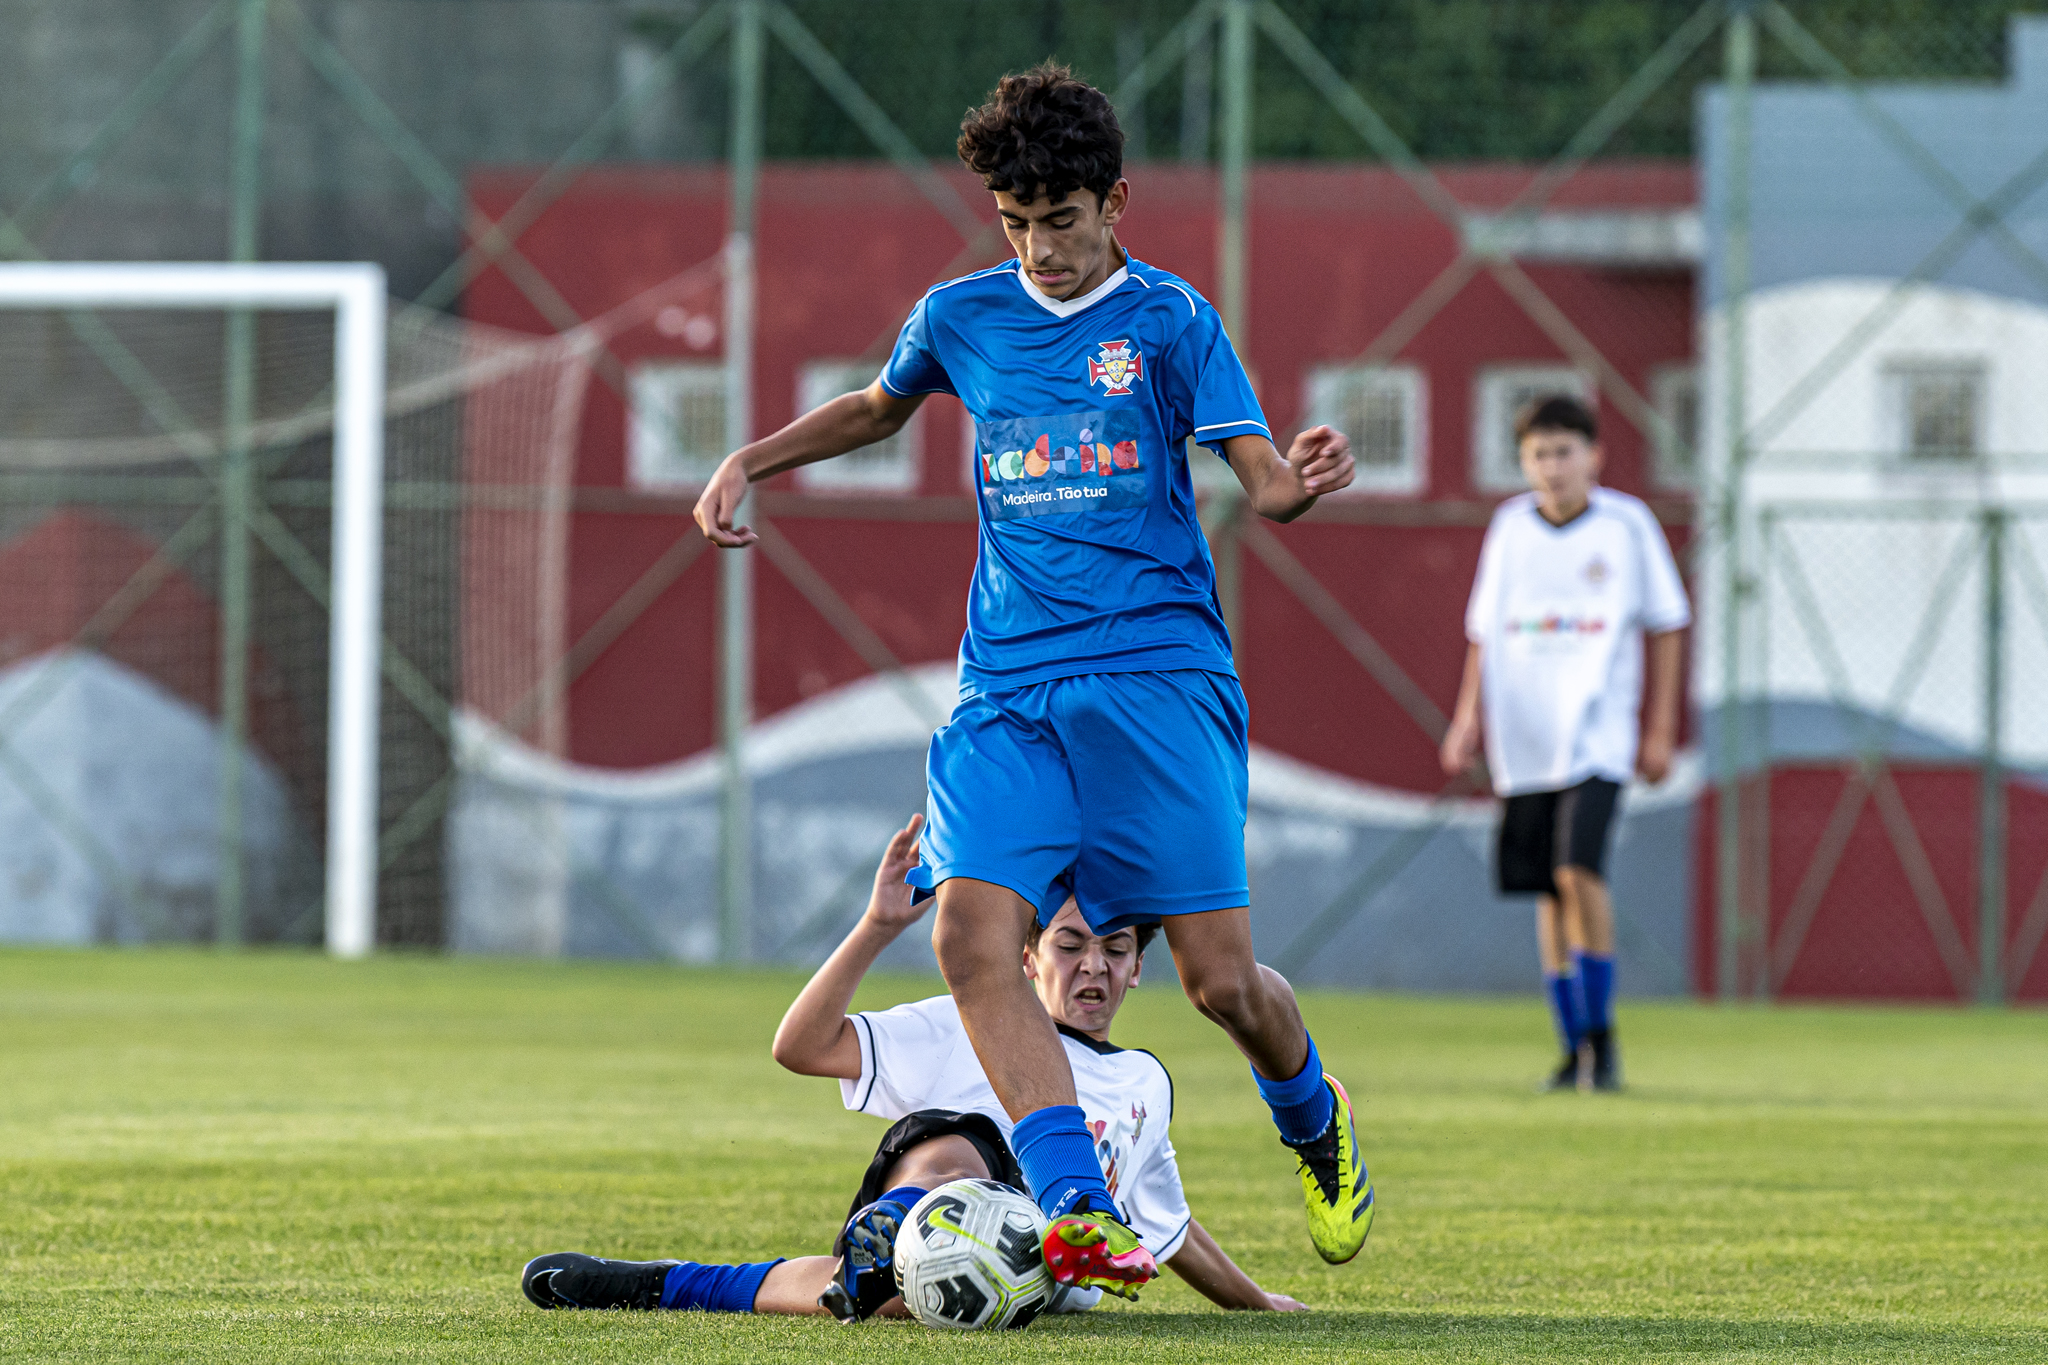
[1606, 1060]
[1566, 1077]
[569, 1279]
[865, 1277]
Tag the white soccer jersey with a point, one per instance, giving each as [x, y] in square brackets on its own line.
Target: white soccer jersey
[1558, 613]
[917, 1056]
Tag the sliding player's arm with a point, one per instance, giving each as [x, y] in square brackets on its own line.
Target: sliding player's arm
[815, 1037]
[1216, 1277]
[1317, 462]
[848, 422]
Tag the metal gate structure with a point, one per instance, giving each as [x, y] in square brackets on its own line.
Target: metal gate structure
[1963, 904]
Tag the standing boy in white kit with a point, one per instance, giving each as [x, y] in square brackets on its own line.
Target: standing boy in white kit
[1572, 578]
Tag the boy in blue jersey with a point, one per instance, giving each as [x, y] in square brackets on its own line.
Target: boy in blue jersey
[1099, 746]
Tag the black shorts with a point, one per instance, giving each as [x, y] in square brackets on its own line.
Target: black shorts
[926, 1124]
[1543, 831]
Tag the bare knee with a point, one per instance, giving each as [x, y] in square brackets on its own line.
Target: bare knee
[938, 1161]
[1228, 995]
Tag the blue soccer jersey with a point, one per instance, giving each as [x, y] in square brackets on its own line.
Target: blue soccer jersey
[1091, 557]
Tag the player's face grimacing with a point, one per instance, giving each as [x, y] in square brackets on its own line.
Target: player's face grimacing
[1067, 246]
[1081, 977]
[1562, 467]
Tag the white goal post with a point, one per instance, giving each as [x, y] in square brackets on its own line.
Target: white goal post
[356, 294]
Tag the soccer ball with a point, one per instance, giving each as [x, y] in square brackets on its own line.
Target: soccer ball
[972, 1254]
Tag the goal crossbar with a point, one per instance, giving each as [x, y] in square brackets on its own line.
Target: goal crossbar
[355, 292]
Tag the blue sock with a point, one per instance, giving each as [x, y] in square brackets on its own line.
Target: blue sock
[1057, 1153]
[715, 1288]
[1596, 978]
[1301, 1107]
[1567, 1011]
[906, 1195]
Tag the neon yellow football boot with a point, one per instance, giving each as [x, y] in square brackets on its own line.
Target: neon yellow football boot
[1335, 1185]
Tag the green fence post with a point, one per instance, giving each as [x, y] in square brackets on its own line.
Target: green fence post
[1991, 830]
[736, 567]
[1740, 71]
[1232, 251]
[237, 474]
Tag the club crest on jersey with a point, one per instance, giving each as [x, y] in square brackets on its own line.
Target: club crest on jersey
[1116, 366]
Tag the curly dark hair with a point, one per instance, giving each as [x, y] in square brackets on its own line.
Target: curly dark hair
[1042, 131]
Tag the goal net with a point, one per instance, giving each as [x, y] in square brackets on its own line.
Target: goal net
[168, 729]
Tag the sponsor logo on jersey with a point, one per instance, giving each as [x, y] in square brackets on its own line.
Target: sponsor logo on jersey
[1116, 366]
[1059, 464]
[1114, 1145]
[1554, 623]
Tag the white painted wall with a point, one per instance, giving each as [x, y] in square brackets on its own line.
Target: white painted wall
[1874, 580]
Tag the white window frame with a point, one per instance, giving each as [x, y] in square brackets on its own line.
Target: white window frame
[356, 294]
[887, 466]
[654, 459]
[1497, 391]
[1898, 374]
[1668, 386]
[1324, 403]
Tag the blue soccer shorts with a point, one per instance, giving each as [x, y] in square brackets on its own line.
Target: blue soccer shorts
[1124, 790]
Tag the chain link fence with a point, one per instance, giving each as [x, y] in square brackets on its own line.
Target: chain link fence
[1412, 217]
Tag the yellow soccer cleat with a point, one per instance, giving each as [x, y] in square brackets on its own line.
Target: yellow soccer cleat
[1335, 1185]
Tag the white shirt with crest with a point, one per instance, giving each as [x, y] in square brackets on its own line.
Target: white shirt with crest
[917, 1056]
[1559, 614]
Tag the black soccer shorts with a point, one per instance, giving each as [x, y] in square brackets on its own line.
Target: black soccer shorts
[1543, 831]
[926, 1124]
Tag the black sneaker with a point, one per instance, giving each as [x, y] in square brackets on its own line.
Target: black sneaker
[1606, 1060]
[1566, 1077]
[865, 1277]
[568, 1279]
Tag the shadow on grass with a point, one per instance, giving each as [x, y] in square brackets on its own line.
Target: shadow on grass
[1530, 1335]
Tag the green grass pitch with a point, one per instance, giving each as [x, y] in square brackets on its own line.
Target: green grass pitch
[275, 1158]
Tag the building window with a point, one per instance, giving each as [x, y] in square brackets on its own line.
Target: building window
[677, 436]
[888, 466]
[1382, 410]
[1503, 391]
[1674, 451]
[1937, 409]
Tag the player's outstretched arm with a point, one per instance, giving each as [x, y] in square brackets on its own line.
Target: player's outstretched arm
[1318, 462]
[815, 1037]
[1216, 1277]
[848, 422]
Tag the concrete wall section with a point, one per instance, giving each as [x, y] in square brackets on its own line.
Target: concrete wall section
[551, 858]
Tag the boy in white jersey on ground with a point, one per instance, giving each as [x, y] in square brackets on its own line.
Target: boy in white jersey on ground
[913, 1064]
[1099, 747]
[1571, 579]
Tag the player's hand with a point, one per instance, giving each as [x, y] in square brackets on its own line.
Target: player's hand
[720, 503]
[1280, 1303]
[1321, 459]
[889, 907]
[1653, 756]
[1460, 746]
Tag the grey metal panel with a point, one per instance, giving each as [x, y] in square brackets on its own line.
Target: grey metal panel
[1834, 197]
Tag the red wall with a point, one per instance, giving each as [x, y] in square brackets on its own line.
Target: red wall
[844, 250]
